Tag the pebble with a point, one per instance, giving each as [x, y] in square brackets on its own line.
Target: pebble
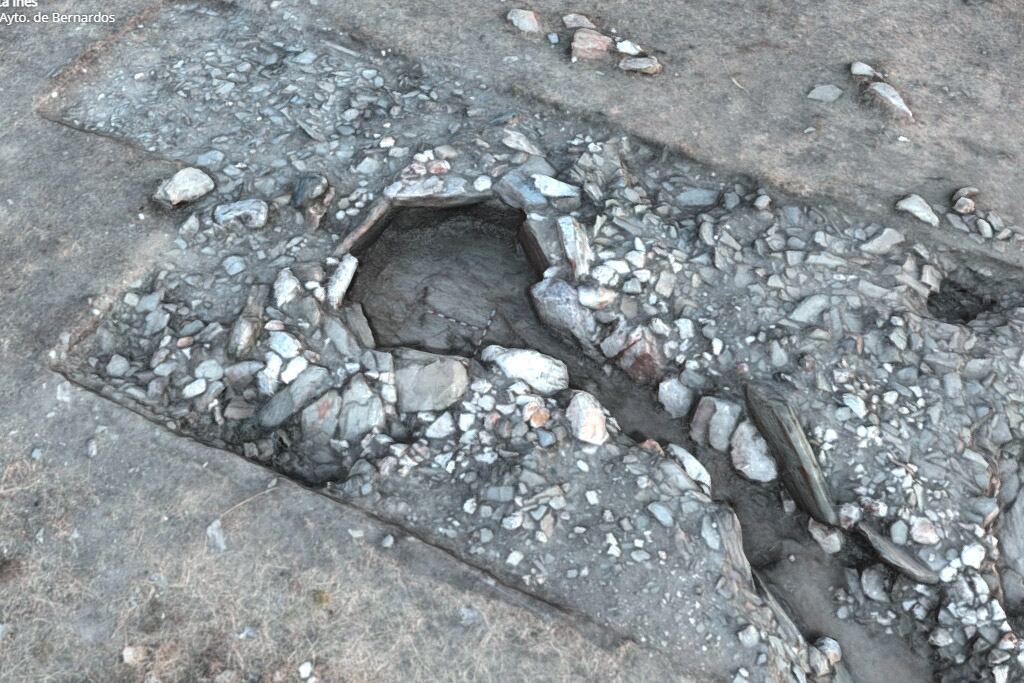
[118, 366]
[750, 454]
[825, 93]
[587, 418]
[973, 555]
[338, 284]
[675, 397]
[713, 422]
[810, 309]
[862, 70]
[589, 44]
[187, 185]
[923, 531]
[525, 20]
[248, 213]
[890, 99]
[829, 538]
[917, 207]
[577, 21]
[883, 243]
[643, 65]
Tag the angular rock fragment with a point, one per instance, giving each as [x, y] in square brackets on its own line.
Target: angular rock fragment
[525, 20]
[917, 207]
[750, 454]
[541, 242]
[825, 93]
[434, 191]
[554, 188]
[517, 188]
[713, 422]
[642, 65]
[362, 410]
[628, 47]
[545, 374]
[797, 463]
[698, 197]
[828, 538]
[862, 70]
[897, 557]
[187, 185]
[342, 340]
[642, 358]
[675, 397]
[428, 381]
[577, 21]
[576, 246]
[313, 381]
[320, 418]
[286, 288]
[248, 213]
[890, 99]
[589, 44]
[587, 418]
[558, 306]
[810, 309]
[340, 280]
[596, 298]
[883, 242]
[519, 142]
[246, 328]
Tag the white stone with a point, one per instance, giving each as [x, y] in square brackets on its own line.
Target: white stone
[675, 397]
[441, 428]
[524, 20]
[750, 454]
[825, 93]
[973, 555]
[693, 467]
[545, 374]
[862, 70]
[286, 288]
[917, 207]
[187, 185]
[552, 187]
[887, 95]
[587, 418]
[829, 538]
[340, 280]
[714, 421]
[923, 531]
[194, 388]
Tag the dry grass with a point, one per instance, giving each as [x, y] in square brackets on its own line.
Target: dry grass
[304, 592]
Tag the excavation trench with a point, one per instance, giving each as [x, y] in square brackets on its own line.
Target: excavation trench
[456, 280]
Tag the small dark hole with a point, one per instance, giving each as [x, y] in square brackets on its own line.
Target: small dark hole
[962, 298]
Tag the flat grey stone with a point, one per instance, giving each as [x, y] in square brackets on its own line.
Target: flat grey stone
[362, 410]
[428, 381]
[825, 93]
[697, 197]
[312, 382]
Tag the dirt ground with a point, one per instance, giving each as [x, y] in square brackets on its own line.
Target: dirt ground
[106, 551]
